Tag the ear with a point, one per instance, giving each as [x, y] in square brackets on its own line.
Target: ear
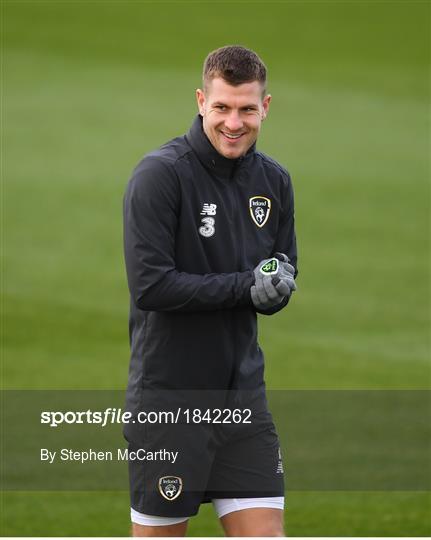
[265, 105]
[200, 98]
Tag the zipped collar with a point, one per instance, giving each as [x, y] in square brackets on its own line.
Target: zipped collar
[209, 156]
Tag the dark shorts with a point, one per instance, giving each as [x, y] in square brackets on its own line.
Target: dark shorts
[213, 461]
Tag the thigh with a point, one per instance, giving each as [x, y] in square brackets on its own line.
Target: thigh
[177, 530]
[254, 522]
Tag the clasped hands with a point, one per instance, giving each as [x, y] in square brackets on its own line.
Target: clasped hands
[274, 281]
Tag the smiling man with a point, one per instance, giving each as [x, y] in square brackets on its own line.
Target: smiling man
[232, 115]
[209, 243]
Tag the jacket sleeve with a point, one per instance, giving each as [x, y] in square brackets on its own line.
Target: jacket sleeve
[286, 238]
[151, 207]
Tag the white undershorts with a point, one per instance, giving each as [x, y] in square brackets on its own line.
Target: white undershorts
[222, 507]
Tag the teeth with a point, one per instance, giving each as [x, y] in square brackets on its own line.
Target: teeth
[232, 136]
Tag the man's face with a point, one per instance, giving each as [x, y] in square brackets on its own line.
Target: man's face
[232, 115]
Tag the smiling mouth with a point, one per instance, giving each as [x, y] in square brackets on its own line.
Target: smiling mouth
[232, 136]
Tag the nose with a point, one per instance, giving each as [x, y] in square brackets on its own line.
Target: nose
[233, 122]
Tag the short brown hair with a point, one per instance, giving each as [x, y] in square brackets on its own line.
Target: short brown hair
[235, 64]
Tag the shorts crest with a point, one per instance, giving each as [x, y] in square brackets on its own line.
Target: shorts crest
[170, 487]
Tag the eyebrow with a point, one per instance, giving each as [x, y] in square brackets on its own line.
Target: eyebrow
[249, 106]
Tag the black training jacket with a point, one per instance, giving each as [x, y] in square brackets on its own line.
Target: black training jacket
[195, 226]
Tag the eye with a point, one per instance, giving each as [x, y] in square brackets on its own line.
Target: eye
[221, 107]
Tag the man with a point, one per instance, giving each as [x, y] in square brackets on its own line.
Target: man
[209, 241]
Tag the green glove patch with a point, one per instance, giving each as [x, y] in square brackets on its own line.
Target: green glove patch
[270, 267]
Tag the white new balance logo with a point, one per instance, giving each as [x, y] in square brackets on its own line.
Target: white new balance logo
[209, 209]
[280, 469]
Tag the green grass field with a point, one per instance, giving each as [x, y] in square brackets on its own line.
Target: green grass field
[89, 87]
